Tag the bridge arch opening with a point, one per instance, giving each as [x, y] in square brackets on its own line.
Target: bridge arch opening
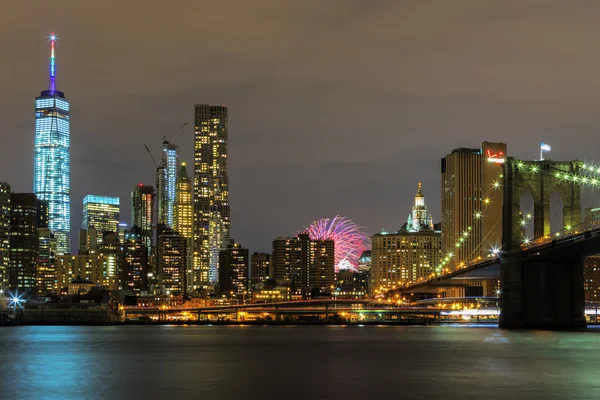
[557, 210]
[527, 215]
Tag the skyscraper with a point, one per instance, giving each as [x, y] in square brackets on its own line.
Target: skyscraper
[102, 213]
[172, 262]
[469, 178]
[183, 219]
[52, 162]
[4, 233]
[141, 213]
[233, 272]
[211, 192]
[167, 182]
[26, 216]
[133, 263]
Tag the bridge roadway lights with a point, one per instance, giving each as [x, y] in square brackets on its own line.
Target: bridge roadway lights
[542, 292]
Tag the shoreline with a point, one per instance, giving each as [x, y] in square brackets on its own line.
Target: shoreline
[250, 323]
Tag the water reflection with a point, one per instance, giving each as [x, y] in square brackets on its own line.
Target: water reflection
[297, 362]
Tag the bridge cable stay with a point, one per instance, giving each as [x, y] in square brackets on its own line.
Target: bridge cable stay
[469, 258]
[465, 235]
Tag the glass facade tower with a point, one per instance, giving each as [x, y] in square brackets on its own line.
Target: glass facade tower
[101, 212]
[52, 161]
[211, 193]
[168, 184]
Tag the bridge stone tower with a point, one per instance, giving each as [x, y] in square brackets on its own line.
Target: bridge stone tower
[539, 178]
[540, 291]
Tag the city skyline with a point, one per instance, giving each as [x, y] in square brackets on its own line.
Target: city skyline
[407, 190]
[269, 138]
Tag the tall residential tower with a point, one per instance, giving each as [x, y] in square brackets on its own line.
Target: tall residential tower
[167, 184]
[183, 219]
[52, 160]
[211, 193]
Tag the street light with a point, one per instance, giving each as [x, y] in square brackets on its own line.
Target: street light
[15, 301]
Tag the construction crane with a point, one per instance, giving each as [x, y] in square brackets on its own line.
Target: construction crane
[175, 134]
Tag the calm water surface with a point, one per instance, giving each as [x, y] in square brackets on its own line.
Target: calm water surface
[296, 362]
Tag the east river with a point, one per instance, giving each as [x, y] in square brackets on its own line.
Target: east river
[297, 362]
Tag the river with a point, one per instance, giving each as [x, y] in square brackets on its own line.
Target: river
[297, 362]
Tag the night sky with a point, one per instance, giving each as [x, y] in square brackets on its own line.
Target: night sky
[335, 107]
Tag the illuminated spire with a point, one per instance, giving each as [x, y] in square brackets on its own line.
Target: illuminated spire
[419, 193]
[52, 84]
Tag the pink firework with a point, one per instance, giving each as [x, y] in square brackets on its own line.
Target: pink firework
[350, 240]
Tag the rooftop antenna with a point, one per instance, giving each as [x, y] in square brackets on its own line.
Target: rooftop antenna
[52, 83]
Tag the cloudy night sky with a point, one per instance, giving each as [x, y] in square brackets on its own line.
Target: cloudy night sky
[335, 107]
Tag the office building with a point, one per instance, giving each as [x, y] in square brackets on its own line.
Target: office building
[52, 159]
[26, 216]
[409, 254]
[591, 281]
[470, 180]
[260, 269]
[233, 272]
[167, 184]
[101, 213]
[172, 261]
[305, 266]
[211, 193]
[141, 213]
[183, 219]
[133, 263]
[4, 233]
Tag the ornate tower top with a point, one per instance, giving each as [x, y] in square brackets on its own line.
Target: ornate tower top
[419, 194]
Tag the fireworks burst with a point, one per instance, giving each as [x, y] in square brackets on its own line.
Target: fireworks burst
[350, 240]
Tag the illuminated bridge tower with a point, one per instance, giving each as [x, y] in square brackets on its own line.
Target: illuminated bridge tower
[541, 289]
[52, 163]
[211, 193]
